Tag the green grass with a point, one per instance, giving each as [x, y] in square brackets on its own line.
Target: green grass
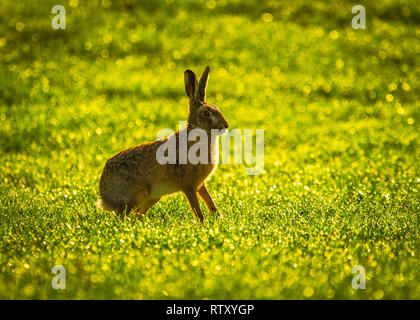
[340, 110]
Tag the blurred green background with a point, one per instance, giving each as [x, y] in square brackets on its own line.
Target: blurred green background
[340, 110]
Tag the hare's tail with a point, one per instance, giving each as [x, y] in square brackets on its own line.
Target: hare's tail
[103, 205]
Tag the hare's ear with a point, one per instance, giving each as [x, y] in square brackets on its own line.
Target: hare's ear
[203, 84]
[191, 84]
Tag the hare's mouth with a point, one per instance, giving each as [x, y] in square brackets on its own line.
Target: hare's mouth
[222, 131]
[218, 132]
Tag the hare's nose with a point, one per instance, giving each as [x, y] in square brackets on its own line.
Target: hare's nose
[226, 125]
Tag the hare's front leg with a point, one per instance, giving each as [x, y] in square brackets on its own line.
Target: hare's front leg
[191, 195]
[205, 195]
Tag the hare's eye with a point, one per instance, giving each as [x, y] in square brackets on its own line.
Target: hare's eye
[206, 113]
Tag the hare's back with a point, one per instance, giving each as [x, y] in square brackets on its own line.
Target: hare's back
[130, 163]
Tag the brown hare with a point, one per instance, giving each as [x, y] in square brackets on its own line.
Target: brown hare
[135, 180]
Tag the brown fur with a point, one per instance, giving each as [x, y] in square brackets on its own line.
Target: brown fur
[134, 180]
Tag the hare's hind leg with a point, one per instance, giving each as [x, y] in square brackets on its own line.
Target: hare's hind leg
[143, 200]
[142, 208]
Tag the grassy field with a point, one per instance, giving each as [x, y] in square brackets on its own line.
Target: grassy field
[340, 110]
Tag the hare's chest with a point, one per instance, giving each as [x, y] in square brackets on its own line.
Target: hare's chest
[205, 170]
